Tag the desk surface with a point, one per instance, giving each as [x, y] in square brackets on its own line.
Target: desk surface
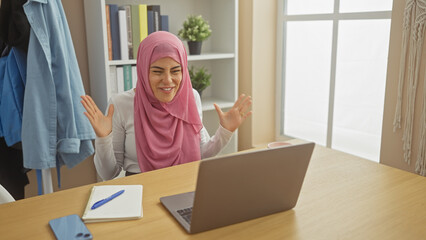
[343, 197]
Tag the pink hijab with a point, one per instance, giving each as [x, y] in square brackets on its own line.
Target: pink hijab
[166, 134]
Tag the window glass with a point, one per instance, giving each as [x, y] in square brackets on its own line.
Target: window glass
[362, 52]
[295, 7]
[307, 78]
[364, 5]
[354, 79]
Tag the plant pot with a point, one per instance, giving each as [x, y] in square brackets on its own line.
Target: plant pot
[194, 47]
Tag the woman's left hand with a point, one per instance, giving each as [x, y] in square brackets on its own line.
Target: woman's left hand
[233, 118]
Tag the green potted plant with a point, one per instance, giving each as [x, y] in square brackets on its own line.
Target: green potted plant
[195, 30]
[200, 78]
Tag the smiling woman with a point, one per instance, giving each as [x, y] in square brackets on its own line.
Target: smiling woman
[158, 124]
[165, 76]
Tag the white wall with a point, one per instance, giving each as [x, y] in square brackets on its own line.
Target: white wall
[391, 148]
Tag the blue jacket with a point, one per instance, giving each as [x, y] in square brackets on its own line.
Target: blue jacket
[54, 127]
[12, 85]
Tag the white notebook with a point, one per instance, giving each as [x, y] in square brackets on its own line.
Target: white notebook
[126, 206]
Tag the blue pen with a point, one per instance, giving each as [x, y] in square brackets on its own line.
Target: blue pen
[105, 200]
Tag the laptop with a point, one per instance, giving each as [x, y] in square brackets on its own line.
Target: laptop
[242, 186]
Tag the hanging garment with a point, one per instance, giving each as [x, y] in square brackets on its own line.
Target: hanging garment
[54, 127]
[13, 176]
[4, 49]
[12, 84]
[14, 26]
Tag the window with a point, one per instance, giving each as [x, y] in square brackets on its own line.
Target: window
[332, 72]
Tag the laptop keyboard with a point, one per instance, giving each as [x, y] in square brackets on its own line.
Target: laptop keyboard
[186, 213]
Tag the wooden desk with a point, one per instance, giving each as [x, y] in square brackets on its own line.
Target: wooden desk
[343, 197]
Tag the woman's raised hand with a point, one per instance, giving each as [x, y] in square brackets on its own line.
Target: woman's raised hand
[101, 124]
[233, 118]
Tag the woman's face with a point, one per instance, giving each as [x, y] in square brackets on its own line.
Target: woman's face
[165, 76]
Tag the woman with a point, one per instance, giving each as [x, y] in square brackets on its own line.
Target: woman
[158, 124]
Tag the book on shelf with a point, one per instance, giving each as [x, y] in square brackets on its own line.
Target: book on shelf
[126, 205]
[129, 30]
[120, 79]
[127, 77]
[134, 76]
[143, 25]
[150, 21]
[128, 25]
[108, 26]
[113, 80]
[122, 26]
[136, 38]
[156, 16]
[115, 34]
[165, 23]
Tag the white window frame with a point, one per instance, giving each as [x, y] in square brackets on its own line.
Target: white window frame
[282, 18]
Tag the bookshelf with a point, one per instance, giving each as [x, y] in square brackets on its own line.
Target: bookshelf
[219, 52]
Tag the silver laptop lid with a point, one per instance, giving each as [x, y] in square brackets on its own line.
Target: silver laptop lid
[248, 185]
